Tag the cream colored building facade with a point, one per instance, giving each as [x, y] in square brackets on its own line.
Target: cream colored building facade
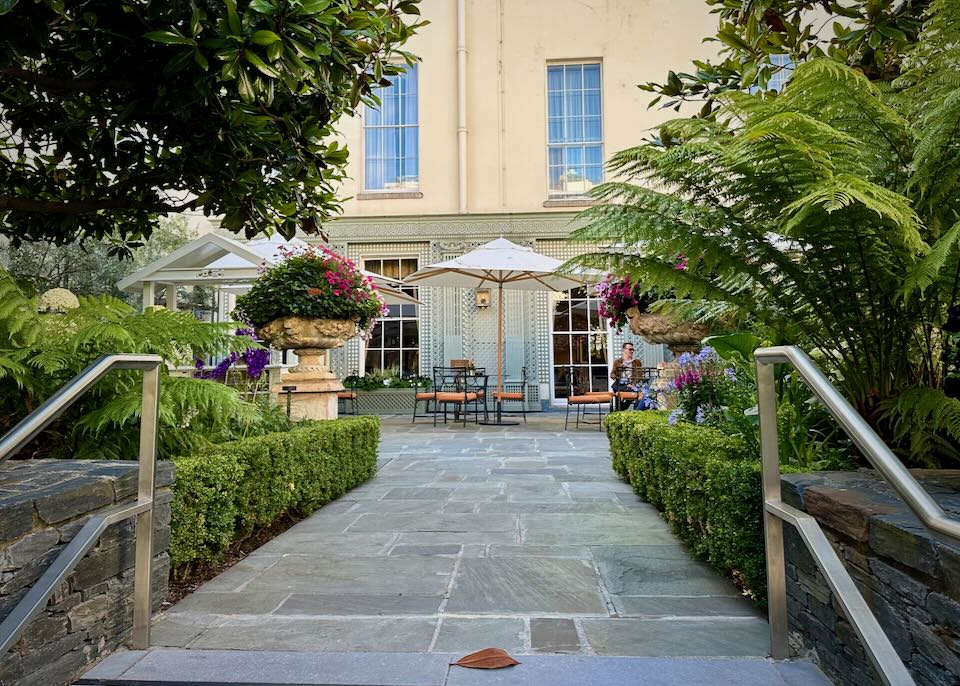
[500, 129]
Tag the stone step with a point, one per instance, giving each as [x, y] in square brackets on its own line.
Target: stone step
[186, 667]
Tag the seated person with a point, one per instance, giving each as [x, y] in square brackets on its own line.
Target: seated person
[626, 377]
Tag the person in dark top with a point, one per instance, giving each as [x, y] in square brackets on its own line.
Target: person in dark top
[624, 378]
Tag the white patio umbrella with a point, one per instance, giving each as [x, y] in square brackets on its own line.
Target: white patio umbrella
[389, 289]
[506, 265]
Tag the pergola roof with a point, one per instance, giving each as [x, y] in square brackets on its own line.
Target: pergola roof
[214, 260]
[210, 259]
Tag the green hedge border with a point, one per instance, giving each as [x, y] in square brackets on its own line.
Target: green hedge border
[706, 483]
[223, 495]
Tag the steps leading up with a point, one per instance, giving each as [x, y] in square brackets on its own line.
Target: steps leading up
[185, 667]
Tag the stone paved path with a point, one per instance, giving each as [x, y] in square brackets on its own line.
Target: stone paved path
[521, 538]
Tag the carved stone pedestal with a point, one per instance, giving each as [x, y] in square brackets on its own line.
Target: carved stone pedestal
[316, 391]
[316, 387]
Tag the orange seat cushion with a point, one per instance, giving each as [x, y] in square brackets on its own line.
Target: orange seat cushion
[601, 394]
[508, 396]
[628, 395]
[444, 397]
[424, 395]
[347, 395]
[586, 400]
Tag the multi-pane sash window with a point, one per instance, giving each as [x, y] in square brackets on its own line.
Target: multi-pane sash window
[574, 129]
[394, 347]
[390, 137]
[780, 77]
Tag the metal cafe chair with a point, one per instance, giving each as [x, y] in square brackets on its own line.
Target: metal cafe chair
[454, 386]
[348, 396]
[516, 396]
[422, 394]
[582, 401]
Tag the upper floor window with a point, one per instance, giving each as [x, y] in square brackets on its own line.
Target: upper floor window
[574, 129]
[391, 137]
[780, 77]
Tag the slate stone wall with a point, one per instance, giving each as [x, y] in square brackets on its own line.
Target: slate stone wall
[909, 579]
[43, 503]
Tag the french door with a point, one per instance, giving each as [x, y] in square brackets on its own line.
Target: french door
[580, 342]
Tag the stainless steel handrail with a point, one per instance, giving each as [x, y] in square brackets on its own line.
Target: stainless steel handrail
[15, 623]
[875, 642]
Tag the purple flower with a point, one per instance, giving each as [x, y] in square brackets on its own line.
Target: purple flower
[674, 416]
[684, 359]
[256, 360]
[701, 416]
[706, 355]
[730, 373]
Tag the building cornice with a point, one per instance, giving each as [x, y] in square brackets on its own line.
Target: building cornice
[555, 225]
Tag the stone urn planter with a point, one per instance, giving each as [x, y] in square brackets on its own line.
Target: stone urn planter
[654, 327]
[315, 395]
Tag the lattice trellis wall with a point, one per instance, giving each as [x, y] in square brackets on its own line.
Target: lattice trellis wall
[651, 354]
[453, 327]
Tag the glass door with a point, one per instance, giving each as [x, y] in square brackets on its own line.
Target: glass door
[580, 344]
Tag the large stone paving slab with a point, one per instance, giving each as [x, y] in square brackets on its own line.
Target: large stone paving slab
[540, 585]
[521, 538]
[671, 637]
[402, 635]
[417, 575]
[657, 570]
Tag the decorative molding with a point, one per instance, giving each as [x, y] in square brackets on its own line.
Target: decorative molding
[569, 202]
[449, 228]
[389, 195]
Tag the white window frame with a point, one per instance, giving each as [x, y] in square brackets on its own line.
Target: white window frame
[551, 194]
[382, 320]
[608, 332]
[399, 188]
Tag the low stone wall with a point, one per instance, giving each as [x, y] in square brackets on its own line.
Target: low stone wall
[43, 503]
[910, 580]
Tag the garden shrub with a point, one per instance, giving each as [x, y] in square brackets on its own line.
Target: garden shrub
[227, 493]
[622, 428]
[707, 484]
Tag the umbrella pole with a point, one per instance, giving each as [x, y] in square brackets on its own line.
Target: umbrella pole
[499, 349]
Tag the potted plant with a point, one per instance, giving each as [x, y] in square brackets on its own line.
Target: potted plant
[311, 301]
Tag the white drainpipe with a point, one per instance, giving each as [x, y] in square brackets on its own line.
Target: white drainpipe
[462, 106]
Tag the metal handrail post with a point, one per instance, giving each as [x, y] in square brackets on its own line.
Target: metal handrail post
[14, 624]
[772, 525]
[143, 568]
[865, 438]
[875, 642]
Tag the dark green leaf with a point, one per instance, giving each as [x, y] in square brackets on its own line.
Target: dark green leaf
[264, 37]
[168, 37]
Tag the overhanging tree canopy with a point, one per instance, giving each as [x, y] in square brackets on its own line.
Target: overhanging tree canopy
[112, 111]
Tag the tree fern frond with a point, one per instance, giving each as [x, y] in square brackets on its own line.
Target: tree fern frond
[923, 417]
[841, 191]
[927, 270]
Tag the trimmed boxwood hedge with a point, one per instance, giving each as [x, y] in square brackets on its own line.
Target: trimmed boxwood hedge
[223, 495]
[706, 483]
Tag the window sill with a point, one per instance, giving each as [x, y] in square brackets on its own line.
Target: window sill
[389, 195]
[568, 202]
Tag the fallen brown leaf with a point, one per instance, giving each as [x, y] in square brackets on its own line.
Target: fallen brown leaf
[488, 658]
